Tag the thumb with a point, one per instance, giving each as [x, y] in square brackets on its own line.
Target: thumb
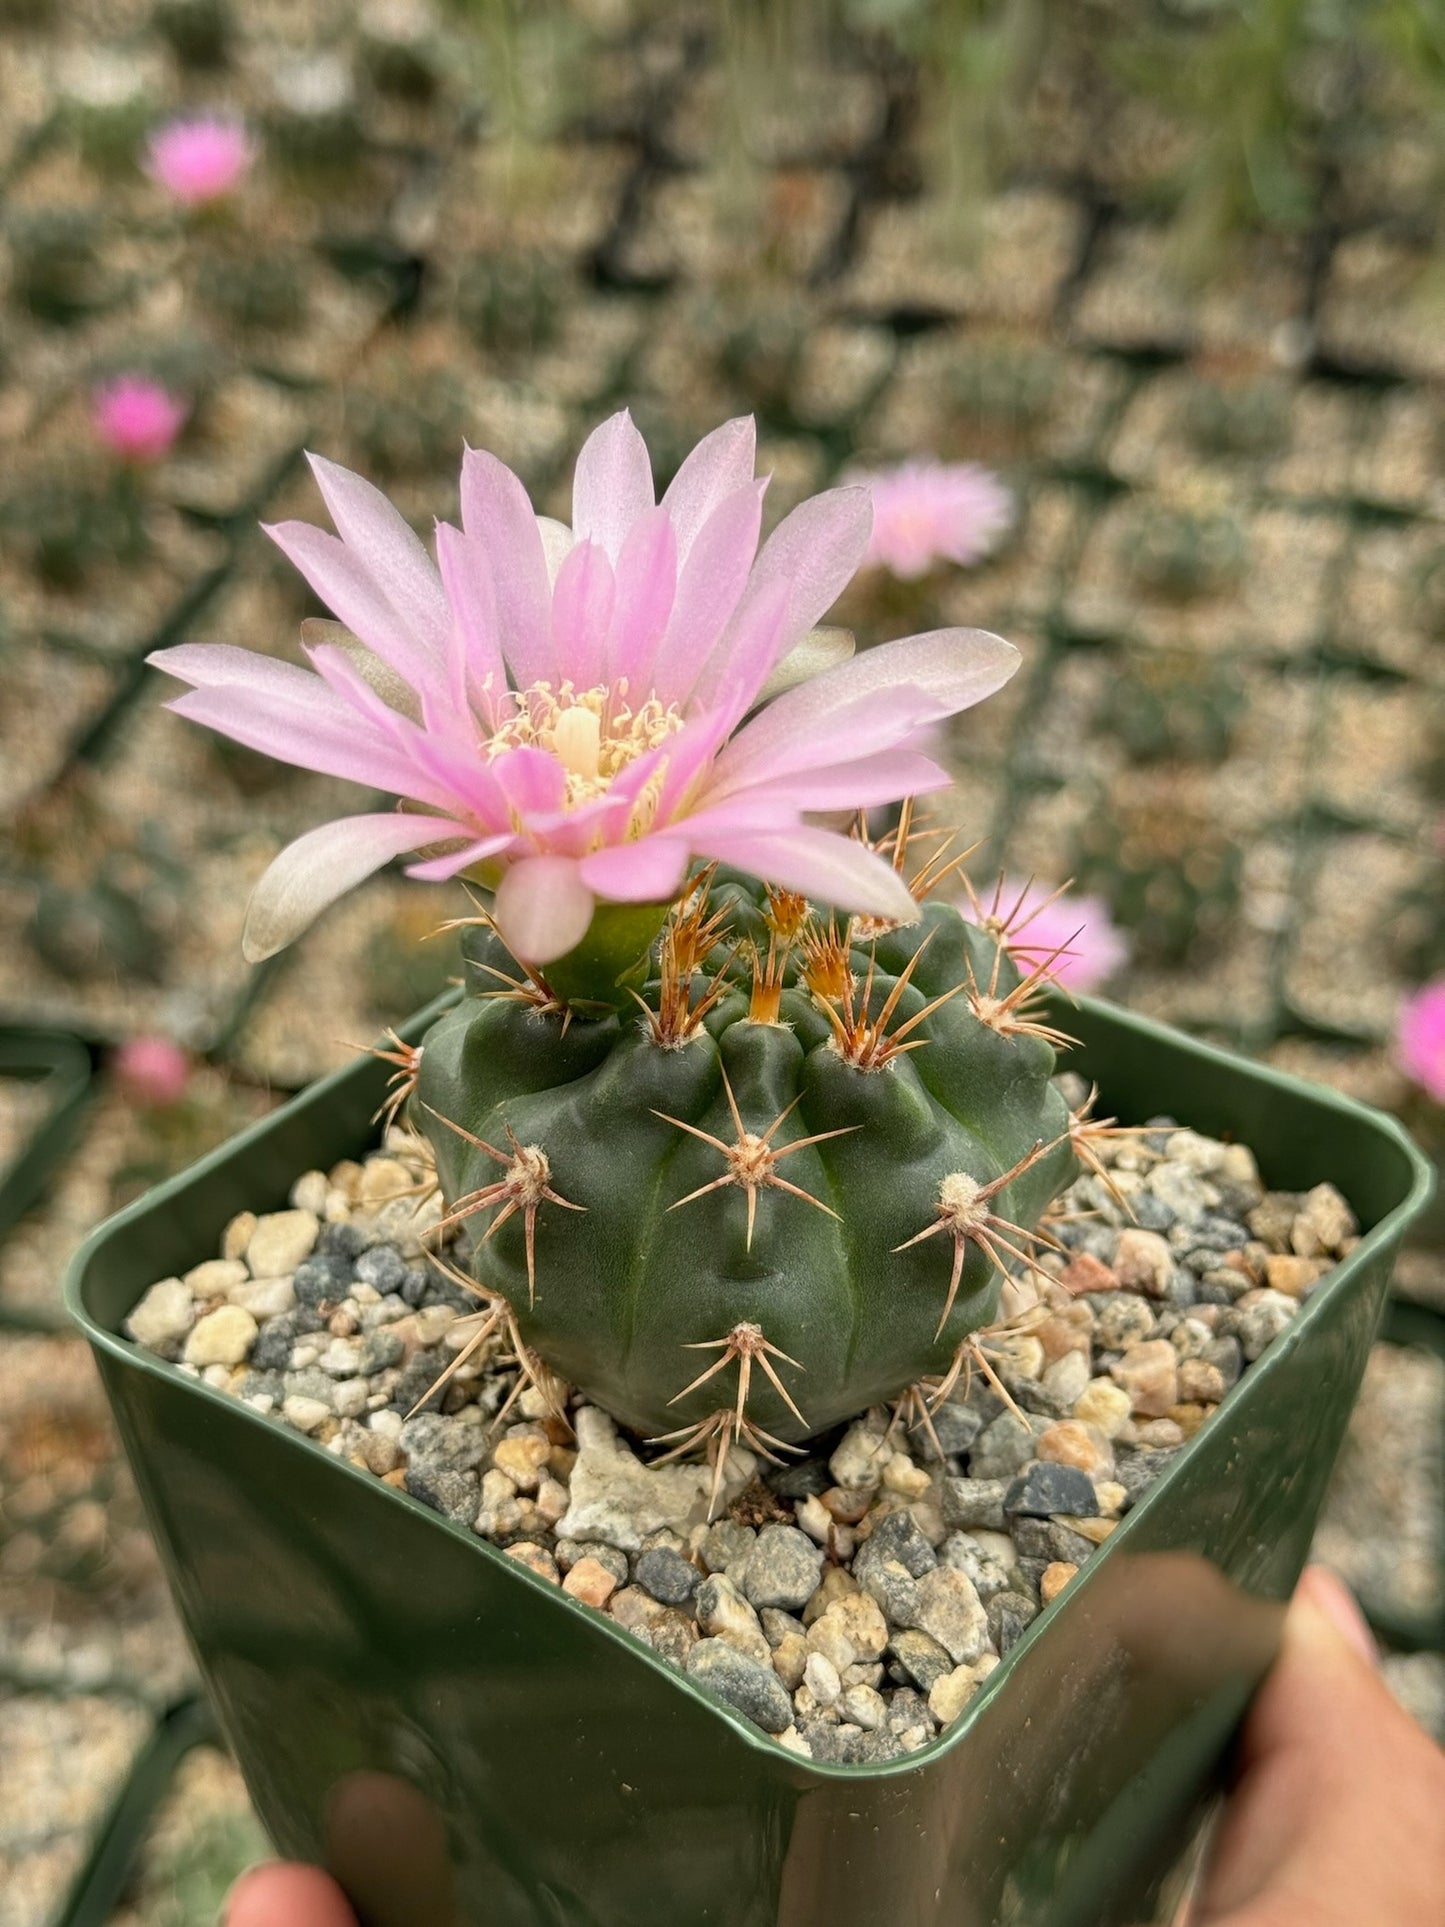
[1339, 1811]
[287, 1896]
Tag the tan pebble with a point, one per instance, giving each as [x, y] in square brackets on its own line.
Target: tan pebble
[237, 1234]
[815, 1519]
[222, 1337]
[837, 1584]
[864, 1706]
[846, 1503]
[1110, 1494]
[562, 1459]
[926, 1514]
[337, 1209]
[1292, 1274]
[1328, 1218]
[1086, 1273]
[308, 1193]
[381, 1180]
[216, 1277]
[1189, 1417]
[860, 1619]
[1020, 1356]
[535, 1560]
[1143, 1261]
[162, 1318]
[1054, 1578]
[345, 1177]
[790, 1657]
[948, 1696]
[901, 1475]
[1067, 1330]
[553, 1499]
[591, 1582]
[342, 1324]
[1077, 1443]
[381, 1454]
[396, 1478]
[522, 1461]
[1158, 1432]
[1104, 1404]
[1149, 1373]
[861, 1455]
[1200, 1382]
[305, 1414]
[1095, 1530]
[264, 1297]
[820, 1676]
[281, 1241]
[636, 1609]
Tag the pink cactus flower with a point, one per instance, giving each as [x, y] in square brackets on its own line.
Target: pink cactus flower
[152, 1071]
[199, 158]
[564, 708]
[926, 512]
[137, 418]
[1073, 935]
[1420, 1039]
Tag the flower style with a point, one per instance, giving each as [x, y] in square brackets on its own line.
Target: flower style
[927, 511]
[199, 158]
[564, 708]
[137, 418]
[1420, 1039]
[1073, 935]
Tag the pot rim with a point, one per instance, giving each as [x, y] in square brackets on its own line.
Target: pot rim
[1380, 1235]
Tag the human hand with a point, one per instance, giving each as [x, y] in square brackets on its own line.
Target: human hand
[282, 1896]
[1338, 1812]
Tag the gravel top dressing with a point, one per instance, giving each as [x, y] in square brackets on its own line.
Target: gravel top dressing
[851, 1602]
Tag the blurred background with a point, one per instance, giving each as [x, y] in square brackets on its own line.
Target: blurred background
[1168, 272]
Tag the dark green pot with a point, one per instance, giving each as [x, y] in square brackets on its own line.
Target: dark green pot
[465, 1744]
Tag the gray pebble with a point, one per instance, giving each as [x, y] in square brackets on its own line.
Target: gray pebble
[897, 1536]
[974, 1502]
[1121, 1319]
[989, 1574]
[956, 1428]
[1002, 1449]
[382, 1266]
[726, 1543]
[1137, 1467]
[272, 1349]
[322, 1280]
[777, 1625]
[918, 1658]
[671, 1579]
[344, 1241]
[782, 1569]
[430, 1439]
[1043, 1488]
[457, 1494]
[742, 1683]
[1151, 1213]
[848, 1745]
[888, 1583]
[1010, 1614]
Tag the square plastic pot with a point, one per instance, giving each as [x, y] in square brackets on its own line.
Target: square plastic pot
[467, 1746]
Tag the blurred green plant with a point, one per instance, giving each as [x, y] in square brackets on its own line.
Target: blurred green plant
[1171, 707]
[1182, 555]
[199, 33]
[510, 303]
[55, 265]
[1170, 875]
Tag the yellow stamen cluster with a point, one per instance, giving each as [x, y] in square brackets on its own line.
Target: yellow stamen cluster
[594, 733]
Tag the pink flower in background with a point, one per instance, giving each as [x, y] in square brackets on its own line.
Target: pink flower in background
[199, 158]
[1038, 921]
[926, 512]
[1420, 1039]
[153, 1071]
[565, 707]
[137, 418]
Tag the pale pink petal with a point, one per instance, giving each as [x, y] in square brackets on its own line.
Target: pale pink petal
[646, 586]
[497, 513]
[557, 540]
[820, 865]
[754, 642]
[388, 548]
[708, 590]
[687, 756]
[349, 590]
[868, 726]
[721, 464]
[649, 871]
[612, 486]
[467, 579]
[286, 712]
[582, 615]
[542, 908]
[441, 869]
[321, 866]
[531, 779]
[863, 784]
[815, 551]
[954, 667]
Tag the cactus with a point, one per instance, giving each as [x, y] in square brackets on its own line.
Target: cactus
[1170, 874]
[1182, 556]
[783, 1183]
[1169, 706]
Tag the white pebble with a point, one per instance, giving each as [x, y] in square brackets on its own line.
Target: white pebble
[281, 1241]
[222, 1337]
[163, 1317]
[820, 1676]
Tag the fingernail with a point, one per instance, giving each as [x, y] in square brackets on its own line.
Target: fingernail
[1338, 1604]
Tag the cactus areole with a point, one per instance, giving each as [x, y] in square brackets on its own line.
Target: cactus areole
[780, 1182]
[743, 1126]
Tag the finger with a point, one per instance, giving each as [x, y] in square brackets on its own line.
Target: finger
[287, 1896]
[1339, 1812]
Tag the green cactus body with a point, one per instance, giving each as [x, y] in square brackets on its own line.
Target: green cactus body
[828, 1231]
